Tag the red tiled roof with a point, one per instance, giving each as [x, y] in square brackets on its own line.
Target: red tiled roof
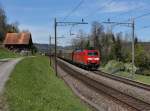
[17, 38]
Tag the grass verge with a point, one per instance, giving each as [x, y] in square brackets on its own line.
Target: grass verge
[34, 87]
[137, 77]
[4, 53]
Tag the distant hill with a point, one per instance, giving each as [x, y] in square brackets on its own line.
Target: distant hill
[44, 48]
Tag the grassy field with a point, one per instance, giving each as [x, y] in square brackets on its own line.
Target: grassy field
[4, 53]
[34, 87]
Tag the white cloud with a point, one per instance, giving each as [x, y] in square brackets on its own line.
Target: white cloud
[104, 6]
[122, 6]
[116, 7]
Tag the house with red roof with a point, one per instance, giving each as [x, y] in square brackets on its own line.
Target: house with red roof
[18, 41]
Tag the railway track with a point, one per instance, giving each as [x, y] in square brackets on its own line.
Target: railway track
[130, 101]
[124, 80]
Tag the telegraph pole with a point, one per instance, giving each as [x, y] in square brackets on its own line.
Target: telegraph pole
[50, 50]
[133, 51]
[55, 27]
[50, 60]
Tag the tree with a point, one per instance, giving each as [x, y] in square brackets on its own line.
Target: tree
[12, 28]
[87, 45]
[4, 26]
[135, 41]
[119, 47]
[97, 31]
[141, 57]
[116, 50]
[81, 37]
[3, 23]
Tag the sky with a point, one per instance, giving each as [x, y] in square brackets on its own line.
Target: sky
[37, 16]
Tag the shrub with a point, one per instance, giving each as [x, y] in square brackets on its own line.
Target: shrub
[141, 57]
[114, 66]
[146, 72]
[128, 67]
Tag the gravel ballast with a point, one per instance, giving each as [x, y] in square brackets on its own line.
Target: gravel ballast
[99, 100]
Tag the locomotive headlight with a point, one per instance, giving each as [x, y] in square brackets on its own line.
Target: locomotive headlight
[90, 59]
[96, 58]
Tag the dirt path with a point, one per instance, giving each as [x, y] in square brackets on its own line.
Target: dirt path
[5, 69]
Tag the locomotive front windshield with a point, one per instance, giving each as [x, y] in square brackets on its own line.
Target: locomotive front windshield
[92, 53]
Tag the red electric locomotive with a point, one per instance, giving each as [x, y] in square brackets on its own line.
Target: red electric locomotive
[87, 58]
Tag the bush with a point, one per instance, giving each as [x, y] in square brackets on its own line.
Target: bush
[148, 62]
[141, 58]
[146, 72]
[128, 67]
[5, 53]
[114, 66]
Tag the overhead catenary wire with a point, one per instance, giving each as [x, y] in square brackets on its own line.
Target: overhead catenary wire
[148, 26]
[129, 11]
[140, 16]
[137, 17]
[73, 10]
[143, 15]
[144, 27]
[135, 9]
[103, 6]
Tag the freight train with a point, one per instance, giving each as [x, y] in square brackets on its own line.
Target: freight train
[88, 59]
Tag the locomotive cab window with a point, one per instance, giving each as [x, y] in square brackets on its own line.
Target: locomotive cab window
[92, 53]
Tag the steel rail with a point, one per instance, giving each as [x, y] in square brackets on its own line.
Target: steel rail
[124, 80]
[130, 101]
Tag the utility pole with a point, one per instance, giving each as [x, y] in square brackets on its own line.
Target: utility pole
[133, 51]
[56, 23]
[50, 50]
[50, 60]
[55, 27]
[132, 25]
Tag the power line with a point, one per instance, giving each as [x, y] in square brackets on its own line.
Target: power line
[137, 17]
[140, 16]
[143, 15]
[92, 13]
[131, 10]
[74, 9]
[144, 27]
[135, 9]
